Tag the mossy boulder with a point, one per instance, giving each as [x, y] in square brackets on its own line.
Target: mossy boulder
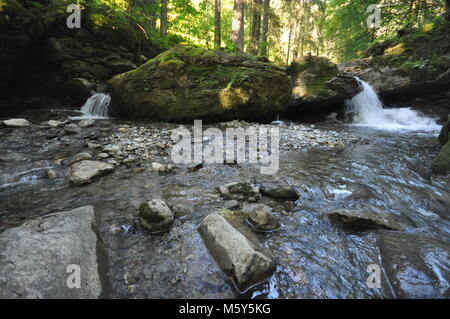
[187, 83]
[319, 86]
[445, 132]
[441, 164]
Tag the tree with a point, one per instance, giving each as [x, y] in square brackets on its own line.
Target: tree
[153, 14]
[237, 27]
[256, 27]
[163, 18]
[265, 29]
[217, 23]
[447, 9]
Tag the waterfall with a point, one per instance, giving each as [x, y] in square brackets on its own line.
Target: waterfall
[97, 106]
[367, 109]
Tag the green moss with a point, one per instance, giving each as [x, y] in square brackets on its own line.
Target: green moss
[398, 49]
[441, 164]
[149, 215]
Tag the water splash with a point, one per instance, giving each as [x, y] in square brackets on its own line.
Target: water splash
[367, 110]
[96, 107]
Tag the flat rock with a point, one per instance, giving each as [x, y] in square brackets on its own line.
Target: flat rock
[72, 129]
[34, 257]
[362, 219]
[240, 191]
[279, 190]
[260, 216]
[16, 123]
[237, 256]
[86, 171]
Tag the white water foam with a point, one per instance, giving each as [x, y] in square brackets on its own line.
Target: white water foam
[367, 110]
[96, 107]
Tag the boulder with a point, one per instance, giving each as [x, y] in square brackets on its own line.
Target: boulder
[35, 258]
[441, 164]
[318, 86]
[260, 217]
[363, 219]
[416, 266]
[279, 190]
[156, 216]
[16, 123]
[86, 171]
[77, 157]
[445, 132]
[237, 256]
[187, 83]
[240, 191]
[72, 129]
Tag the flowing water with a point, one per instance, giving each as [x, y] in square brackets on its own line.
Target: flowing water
[315, 258]
[96, 107]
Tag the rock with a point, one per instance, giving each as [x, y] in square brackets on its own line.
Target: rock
[86, 123]
[445, 132]
[156, 216]
[361, 219]
[441, 164]
[187, 83]
[416, 266]
[319, 86]
[35, 257]
[53, 123]
[279, 190]
[85, 172]
[240, 191]
[161, 167]
[102, 155]
[260, 216]
[16, 123]
[51, 174]
[78, 88]
[78, 157]
[111, 149]
[72, 129]
[238, 257]
[231, 204]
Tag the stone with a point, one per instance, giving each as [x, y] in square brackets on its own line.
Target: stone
[231, 204]
[445, 132]
[72, 129]
[279, 190]
[156, 216]
[51, 174]
[417, 267]
[260, 217]
[240, 191]
[441, 164]
[16, 123]
[86, 123]
[35, 258]
[187, 83]
[367, 219]
[54, 123]
[161, 167]
[78, 157]
[86, 171]
[237, 256]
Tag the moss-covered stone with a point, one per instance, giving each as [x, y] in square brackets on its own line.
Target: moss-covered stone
[445, 132]
[441, 164]
[187, 83]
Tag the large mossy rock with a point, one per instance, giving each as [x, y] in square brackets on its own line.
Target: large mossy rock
[318, 86]
[187, 83]
[441, 164]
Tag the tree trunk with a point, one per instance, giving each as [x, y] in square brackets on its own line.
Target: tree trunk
[206, 23]
[163, 18]
[289, 46]
[265, 29]
[153, 14]
[256, 27]
[237, 28]
[447, 9]
[217, 23]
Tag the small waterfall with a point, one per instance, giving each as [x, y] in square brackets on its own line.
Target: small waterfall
[367, 109]
[97, 106]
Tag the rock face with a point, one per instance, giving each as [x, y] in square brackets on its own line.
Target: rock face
[441, 164]
[417, 267]
[236, 255]
[16, 123]
[155, 215]
[366, 220]
[86, 171]
[318, 86]
[187, 83]
[260, 216]
[240, 191]
[34, 258]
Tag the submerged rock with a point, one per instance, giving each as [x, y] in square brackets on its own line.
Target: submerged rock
[156, 216]
[260, 216]
[187, 83]
[366, 219]
[238, 257]
[86, 171]
[416, 266]
[16, 123]
[35, 258]
[240, 191]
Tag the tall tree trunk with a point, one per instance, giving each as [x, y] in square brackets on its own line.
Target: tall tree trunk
[163, 18]
[217, 23]
[237, 28]
[153, 14]
[256, 27]
[206, 23]
[265, 29]
[289, 46]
